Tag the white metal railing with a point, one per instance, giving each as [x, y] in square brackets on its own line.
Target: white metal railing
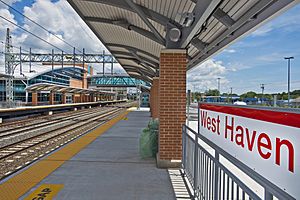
[210, 179]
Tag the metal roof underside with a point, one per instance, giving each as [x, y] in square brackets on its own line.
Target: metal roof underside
[135, 31]
[38, 87]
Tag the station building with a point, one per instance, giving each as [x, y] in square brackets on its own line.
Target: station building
[44, 85]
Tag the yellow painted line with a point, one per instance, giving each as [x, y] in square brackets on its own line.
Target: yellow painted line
[18, 185]
[132, 108]
[45, 192]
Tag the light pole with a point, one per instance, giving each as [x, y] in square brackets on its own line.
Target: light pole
[289, 76]
[219, 89]
[219, 86]
[262, 86]
[231, 95]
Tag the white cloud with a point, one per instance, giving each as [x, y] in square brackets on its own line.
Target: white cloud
[289, 22]
[61, 20]
[205, 76]
[275, 57]
[237, 66]
[9, 2]
[229, 50]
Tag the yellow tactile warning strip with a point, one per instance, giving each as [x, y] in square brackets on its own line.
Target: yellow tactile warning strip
[45, 192]
[18, 185]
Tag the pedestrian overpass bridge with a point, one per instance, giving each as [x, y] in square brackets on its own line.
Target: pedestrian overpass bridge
[116, 81]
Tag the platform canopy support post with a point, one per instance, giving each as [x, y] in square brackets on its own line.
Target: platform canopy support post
[172, 106]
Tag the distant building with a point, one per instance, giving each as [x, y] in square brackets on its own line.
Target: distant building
[69, 76]
[222, 99]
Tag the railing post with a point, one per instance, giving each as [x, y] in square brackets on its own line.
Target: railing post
[196, 167]
[184, 133]
[216, 185]
[196, 158]
[268, 195]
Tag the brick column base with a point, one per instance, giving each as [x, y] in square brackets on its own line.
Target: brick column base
[154, 98]
[51, 98]
[63, 98]
[34, 99]
[172, 106]
[82, 98]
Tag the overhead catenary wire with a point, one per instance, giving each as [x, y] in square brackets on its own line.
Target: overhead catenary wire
[2, 42]
[42, 27]
[31, 33]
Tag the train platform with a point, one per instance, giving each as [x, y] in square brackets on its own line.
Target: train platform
[7, 113]
[103, 164]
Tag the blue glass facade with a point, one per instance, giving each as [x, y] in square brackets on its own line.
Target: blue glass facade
[109, 81]
[61, 76]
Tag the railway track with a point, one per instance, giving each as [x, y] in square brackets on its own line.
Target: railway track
[36, 120]
[13, 136]
[18, 153]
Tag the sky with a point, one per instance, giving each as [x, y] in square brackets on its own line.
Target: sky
[256, 59]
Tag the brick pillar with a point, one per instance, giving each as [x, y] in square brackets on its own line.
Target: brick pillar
[63, 98]
[172, 102]
[51, 98]
[73, 98]
[154, 98]
[34, 99]
[82, 98]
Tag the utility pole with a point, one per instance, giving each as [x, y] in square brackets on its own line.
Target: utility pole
[231, 94]
[219, 86]
[103, 65]
[21, 72]
[262, 86]
[219, 89]
[112, 66]
[8, 70]
[74, 57]
[30, 60]
[289, 77]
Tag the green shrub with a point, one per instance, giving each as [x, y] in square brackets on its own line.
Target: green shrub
[149, 140]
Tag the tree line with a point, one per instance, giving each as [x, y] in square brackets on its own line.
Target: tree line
[250, 94]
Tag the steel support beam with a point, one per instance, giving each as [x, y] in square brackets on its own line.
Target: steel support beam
[144, 17]
[137, 61]
[223, 17]
[138, 57]
[198, 44]
[150, 14]
[132, 68]
[124, 24]
[141, 58]
[133, 49]
[140, 76]
[240, 27]
[201, 11]
[59, 58]
[142, 67]
[144, 60]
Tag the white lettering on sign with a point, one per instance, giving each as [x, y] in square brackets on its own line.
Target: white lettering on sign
[253, 137]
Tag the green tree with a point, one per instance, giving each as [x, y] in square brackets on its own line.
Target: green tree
[214, 92]
[249, 94]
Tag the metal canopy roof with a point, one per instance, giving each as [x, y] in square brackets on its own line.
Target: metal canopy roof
[135, 31]
[5, 75]
[38, 87]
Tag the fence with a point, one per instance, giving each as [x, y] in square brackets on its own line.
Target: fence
[210, 179]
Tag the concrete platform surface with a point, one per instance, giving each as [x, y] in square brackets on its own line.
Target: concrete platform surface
[110, 168]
